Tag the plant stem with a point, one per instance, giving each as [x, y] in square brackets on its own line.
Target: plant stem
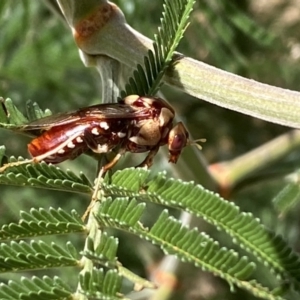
[228, 174]
[118, 40]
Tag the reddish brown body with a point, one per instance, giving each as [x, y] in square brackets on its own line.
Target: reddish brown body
[137, 124]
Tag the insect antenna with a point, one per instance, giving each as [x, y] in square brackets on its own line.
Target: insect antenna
[195, 143]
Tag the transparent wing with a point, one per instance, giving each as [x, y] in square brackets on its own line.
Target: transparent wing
[92, 113]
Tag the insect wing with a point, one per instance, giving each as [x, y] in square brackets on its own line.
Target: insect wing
[114, 111]
[87, 114]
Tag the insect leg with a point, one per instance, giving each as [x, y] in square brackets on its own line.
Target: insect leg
[94, 196]
[102, 171]
[148, 161]
[99, 179]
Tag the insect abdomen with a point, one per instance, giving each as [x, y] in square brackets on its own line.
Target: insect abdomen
[63, 142]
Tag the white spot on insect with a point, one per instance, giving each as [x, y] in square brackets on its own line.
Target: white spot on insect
[131, 99]
[61, 151]
[165, 117]
[104, 125]
[71, 145]
[79, 139]
[101, 148]
[95, 131]
[138, 140]
[121, 134]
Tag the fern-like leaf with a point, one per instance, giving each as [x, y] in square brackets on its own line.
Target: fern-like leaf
[105, 253]
[10, 114]
[244, 228]
[12, 118]
[147, 80]
[100, 285]
[41, 222]
[45, 176]
[35, 288]
[35, 112]
[186, 244]
[36, 255]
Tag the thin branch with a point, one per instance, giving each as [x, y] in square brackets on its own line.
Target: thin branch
[228, 174]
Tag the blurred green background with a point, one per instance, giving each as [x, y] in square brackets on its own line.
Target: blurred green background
[256, 39]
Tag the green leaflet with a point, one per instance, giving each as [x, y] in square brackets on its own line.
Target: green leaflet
[35, 288]
[35, 255]
[186, 244]
[100, 285]
[146, 79]
[244, 228]
[42, 175]
[41, 223]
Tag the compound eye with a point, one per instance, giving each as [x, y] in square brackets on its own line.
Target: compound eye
[178, 142]
[178, 139]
